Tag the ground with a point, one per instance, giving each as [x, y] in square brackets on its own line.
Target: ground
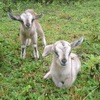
[23, 79]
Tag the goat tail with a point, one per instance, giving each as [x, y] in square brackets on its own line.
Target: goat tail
[28, 42]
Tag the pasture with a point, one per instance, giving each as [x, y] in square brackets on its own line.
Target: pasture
[23, 79]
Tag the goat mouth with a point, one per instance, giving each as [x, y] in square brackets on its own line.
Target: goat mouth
[63, 64]
[27, 28]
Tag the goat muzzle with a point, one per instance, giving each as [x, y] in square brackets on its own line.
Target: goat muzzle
[28, 25]
[63, 62]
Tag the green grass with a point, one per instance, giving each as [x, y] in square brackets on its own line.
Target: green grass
[23, 79]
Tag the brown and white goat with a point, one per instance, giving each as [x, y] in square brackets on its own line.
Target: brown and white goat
[65, 65]
[28, 30]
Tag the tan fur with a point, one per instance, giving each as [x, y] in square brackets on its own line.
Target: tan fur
[28, 30]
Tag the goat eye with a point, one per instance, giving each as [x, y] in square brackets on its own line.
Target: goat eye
[32, 20]
[22, 21]
[56, 53]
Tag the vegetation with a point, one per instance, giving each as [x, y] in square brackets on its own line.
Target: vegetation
[23, 79]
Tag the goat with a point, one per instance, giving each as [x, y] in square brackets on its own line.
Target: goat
[28, 30]
[65, 65]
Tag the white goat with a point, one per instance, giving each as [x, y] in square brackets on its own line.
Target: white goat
[28, 30]
[65, 65]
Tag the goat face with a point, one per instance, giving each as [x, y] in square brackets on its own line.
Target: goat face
[26, 18]
[62, 50]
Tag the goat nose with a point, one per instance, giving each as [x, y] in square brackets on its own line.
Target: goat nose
[28, 25]
[64, 60]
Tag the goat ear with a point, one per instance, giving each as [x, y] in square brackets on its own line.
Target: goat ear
[17, 18]
[77, 42]
[48, 49]
[38, 16]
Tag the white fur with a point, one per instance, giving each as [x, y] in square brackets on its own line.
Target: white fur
[63, 74]
[28, 30]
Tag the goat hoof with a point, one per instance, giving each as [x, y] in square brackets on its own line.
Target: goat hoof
[44, 78]
[22, 57]
[37, 58]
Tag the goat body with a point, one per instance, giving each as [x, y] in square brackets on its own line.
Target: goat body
[28, 30]
[65, 65]
[65, 76]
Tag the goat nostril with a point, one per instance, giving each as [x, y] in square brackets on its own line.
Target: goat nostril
[28, 25]
[64, 60]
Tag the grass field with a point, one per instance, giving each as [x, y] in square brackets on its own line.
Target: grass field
[23, 79]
